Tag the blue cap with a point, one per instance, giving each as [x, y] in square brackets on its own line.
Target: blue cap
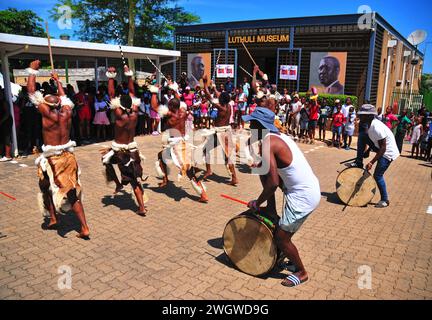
[264, 116]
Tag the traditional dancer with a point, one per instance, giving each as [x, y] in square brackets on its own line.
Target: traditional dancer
[124, 150]
[57, 167]
[177, 147]
[221, 134]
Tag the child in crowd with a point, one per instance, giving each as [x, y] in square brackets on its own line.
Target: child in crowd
[337, 123]
[322, 120]
[304, 121]
[349, 128]
[417, 132]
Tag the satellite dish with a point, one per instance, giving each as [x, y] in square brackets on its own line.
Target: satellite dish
[417, 37]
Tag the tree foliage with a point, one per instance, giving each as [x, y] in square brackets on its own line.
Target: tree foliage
[22, 22]
[101, 20]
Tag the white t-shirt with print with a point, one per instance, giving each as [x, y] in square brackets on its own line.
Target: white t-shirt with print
[378, 131]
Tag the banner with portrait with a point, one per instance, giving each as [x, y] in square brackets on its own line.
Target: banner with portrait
[198, 65]
[328, 71]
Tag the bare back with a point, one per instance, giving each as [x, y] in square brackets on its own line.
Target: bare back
[56, 124]
[125, 125]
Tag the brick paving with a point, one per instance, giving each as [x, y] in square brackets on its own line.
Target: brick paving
[176, 251]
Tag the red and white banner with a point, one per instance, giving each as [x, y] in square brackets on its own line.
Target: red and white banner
[224, 71]
[288, 72]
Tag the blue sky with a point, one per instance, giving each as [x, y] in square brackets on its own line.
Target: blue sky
[396, 12]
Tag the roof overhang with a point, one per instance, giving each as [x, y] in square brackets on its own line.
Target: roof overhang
[36, 45]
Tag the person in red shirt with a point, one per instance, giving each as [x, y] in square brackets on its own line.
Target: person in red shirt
[337, 125]
[313, 119]
[84, 112]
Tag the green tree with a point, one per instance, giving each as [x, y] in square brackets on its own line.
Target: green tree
[147, 23]
[426, 83]
[22, 22]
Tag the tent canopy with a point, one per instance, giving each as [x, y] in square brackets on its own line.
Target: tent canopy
[12, 42]
[12, 45]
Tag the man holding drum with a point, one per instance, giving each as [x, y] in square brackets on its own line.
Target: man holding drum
[382, 141]
[289, 170]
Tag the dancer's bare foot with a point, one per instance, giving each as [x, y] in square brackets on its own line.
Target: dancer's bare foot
[164, 183]
[142, 212]
[84, 234]
[207, 174]
[234, 182]
[204, 198]
[52, 224]
[118, 188]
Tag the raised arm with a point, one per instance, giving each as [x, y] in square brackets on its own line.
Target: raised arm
[36, 97]
[131, 86]
[111, 74]
[174, 87]
[60, 89]
[31, 80]
[206, 89]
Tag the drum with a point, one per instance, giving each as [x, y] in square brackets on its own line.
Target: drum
[249, 243]
[355, 187]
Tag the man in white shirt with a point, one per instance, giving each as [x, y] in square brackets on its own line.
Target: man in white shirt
[387, 151]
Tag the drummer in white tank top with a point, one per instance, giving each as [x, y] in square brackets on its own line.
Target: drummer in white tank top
[289, 169]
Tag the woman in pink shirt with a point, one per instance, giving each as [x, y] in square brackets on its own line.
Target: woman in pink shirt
[389, 119]
[188, 97]
[204, 113]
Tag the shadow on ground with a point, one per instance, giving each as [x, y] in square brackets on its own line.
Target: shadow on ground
[65, 224]
[331, 197]
[174, 192]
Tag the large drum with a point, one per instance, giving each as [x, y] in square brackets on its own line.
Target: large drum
[355, 187]
[248, 242]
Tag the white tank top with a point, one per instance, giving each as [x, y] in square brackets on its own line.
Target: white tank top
[302, 190]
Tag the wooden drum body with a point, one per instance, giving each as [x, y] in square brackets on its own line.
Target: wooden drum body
[249, 244]
[355, 187]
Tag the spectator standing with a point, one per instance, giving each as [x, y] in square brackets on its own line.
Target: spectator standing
[6, 123]
[415, 137]
[402, 128]
[325, 111]
[229, 86]
[313, 119]
[337, 126]
[349, 128]
[101, 120]
[304, 121]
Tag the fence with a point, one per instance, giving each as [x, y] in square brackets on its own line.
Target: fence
[407, 100]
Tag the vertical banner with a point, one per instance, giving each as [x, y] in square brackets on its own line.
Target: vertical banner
[198, 65]
[288, 72]
[327, 72]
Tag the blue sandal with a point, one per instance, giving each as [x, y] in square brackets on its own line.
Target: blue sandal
[295, 281]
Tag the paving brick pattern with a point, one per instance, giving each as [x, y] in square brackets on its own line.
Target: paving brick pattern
[176, 251]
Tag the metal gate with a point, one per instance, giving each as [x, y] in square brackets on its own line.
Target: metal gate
[407, 100]
[292, 57]
[224, 56]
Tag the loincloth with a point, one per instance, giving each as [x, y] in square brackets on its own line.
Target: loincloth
[58, 173]
[127, 157]
[222, 136]
[180, 151]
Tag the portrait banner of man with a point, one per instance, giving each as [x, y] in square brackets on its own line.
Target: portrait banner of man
[328, 71]
[198, 65]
